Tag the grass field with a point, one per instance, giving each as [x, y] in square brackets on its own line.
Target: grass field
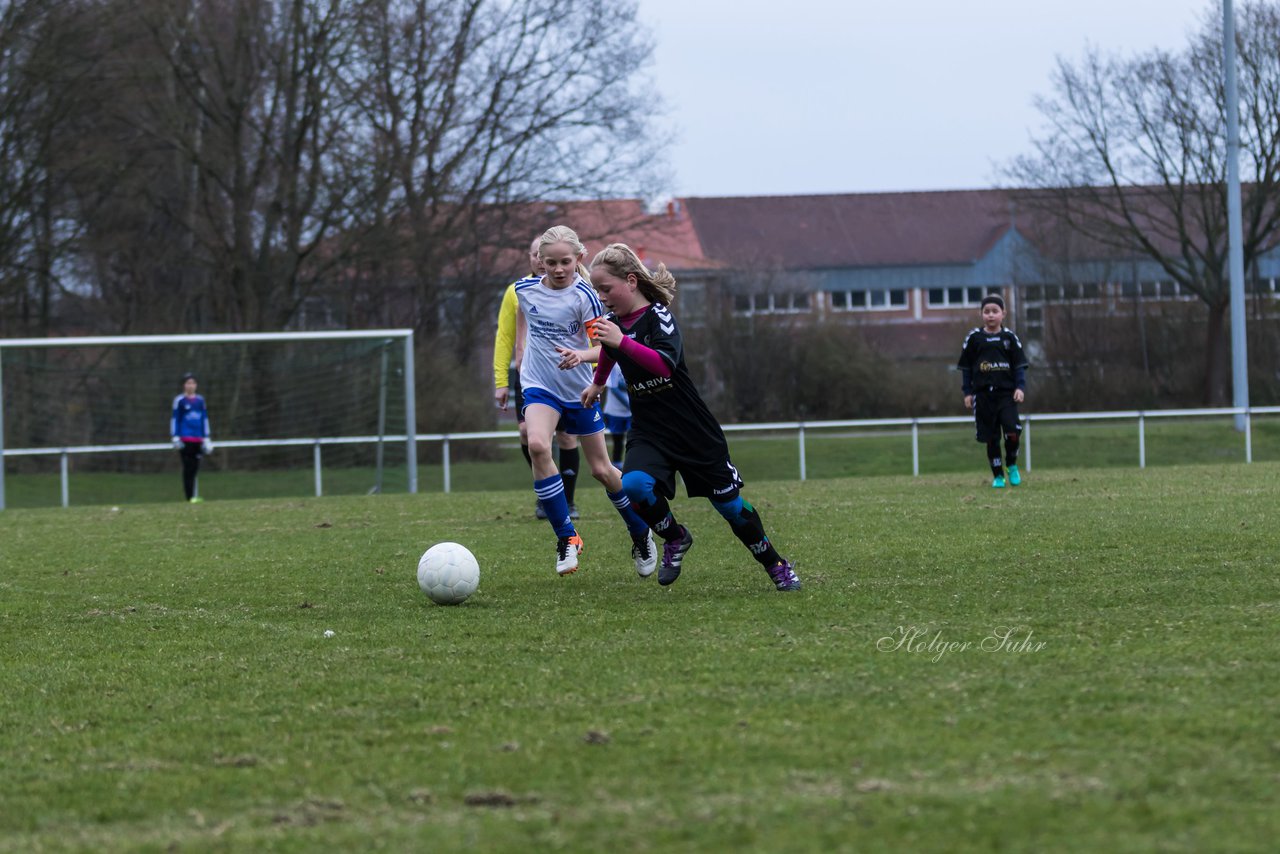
[1085, 663]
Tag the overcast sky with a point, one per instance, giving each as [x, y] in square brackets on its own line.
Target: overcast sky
[846, 96]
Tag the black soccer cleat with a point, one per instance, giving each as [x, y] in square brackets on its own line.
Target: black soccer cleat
[673, 552]
[783, 576]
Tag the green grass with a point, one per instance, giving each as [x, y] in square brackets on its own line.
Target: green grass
[167, 685]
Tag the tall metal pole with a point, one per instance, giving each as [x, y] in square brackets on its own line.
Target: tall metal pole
[1235, 231]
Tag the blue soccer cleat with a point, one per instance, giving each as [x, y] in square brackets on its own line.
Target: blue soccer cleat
[1014, 477]
[998, 482]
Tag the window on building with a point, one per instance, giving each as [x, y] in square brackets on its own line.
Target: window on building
[863, 300]
[1154, 290]
[1068, 292]
[955, 297]
[783, 303]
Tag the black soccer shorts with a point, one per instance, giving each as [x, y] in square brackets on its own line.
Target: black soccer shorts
[716, 479]
[995, 415]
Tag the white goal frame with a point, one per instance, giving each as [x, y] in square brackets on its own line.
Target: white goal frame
[405, 335]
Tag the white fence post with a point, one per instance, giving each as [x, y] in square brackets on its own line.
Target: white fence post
[66, 486]
[1248, 437]
[444, 462]
[410, 416]
[1142, 441]
[915, 447]
[1, 429]
[1026, 437]
[315, 456]
[802, 460]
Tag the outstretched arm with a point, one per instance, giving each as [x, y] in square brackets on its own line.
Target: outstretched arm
[573, 358]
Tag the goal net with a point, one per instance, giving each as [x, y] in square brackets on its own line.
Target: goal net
[273, 398]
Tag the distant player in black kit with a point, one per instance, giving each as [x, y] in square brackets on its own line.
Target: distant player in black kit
[672, 431]
[993, 372]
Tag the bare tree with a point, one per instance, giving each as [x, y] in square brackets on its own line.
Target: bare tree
[210, 164]
[42, 89]
[472, 108]
[253, 118]
[1133, 158]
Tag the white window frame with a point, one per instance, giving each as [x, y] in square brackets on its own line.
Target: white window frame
[867, 305]
[971, 296]
[773, 303]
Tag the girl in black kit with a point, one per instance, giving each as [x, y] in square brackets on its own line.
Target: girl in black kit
[993, 371]
[672, 431]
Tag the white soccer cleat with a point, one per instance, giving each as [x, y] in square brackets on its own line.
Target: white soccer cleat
[567, 551]
[645, 555]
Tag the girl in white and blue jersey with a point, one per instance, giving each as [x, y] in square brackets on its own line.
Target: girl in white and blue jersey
[556, 308]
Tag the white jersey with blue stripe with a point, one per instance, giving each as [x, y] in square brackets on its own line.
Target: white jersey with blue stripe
[617, 403]
[556, 319]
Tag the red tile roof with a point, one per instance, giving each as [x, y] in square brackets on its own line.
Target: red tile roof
[851, 230]
[667, 236]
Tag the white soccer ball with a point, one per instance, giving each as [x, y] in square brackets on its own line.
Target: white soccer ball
[448, 573]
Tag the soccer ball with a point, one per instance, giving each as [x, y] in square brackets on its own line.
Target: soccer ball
[448, 573]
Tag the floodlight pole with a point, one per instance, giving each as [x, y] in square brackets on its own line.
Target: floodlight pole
[1235, 231]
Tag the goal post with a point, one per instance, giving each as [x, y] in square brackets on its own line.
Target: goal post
[53, 392]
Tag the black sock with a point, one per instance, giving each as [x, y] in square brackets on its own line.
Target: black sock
[1011, 449]
[190, 468]
[659, 517]
[569, 471]
[993, 457]
[619, 445]
[749, 528]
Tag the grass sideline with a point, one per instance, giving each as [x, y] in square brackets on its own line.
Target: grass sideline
[168, 685]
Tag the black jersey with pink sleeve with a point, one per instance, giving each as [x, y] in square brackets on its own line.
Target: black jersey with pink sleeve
[668, 411]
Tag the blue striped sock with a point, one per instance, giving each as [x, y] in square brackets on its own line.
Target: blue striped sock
[637, 526]
[550, 492]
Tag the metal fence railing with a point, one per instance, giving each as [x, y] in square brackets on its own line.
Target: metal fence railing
[802, 430]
